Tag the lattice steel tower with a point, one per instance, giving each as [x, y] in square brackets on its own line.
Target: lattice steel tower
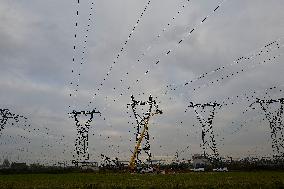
[142, 121]
[82, 141]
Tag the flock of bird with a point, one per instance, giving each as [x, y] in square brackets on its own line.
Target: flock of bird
[22, 133]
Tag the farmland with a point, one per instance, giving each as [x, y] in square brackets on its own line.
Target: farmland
[261, 179]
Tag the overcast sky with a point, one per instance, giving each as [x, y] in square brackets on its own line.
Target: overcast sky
[37, 47]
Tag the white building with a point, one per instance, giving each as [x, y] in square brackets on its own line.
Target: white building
[199, 161]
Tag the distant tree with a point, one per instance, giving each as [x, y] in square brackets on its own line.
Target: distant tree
[6, 163]
[19, 166]
[36, 166]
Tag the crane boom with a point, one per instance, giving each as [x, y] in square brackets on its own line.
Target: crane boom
[132, 163]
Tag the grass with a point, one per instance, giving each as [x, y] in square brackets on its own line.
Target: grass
[263, 179]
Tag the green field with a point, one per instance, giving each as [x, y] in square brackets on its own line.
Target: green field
[265, 179]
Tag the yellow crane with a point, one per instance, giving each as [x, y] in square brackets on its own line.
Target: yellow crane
[132, 163]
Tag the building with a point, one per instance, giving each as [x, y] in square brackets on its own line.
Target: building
[86, 165]
[199, 161]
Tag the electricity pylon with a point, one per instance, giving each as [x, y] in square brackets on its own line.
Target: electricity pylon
[275, 119]
[82, 140]
[142, 121]
[207, 134]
